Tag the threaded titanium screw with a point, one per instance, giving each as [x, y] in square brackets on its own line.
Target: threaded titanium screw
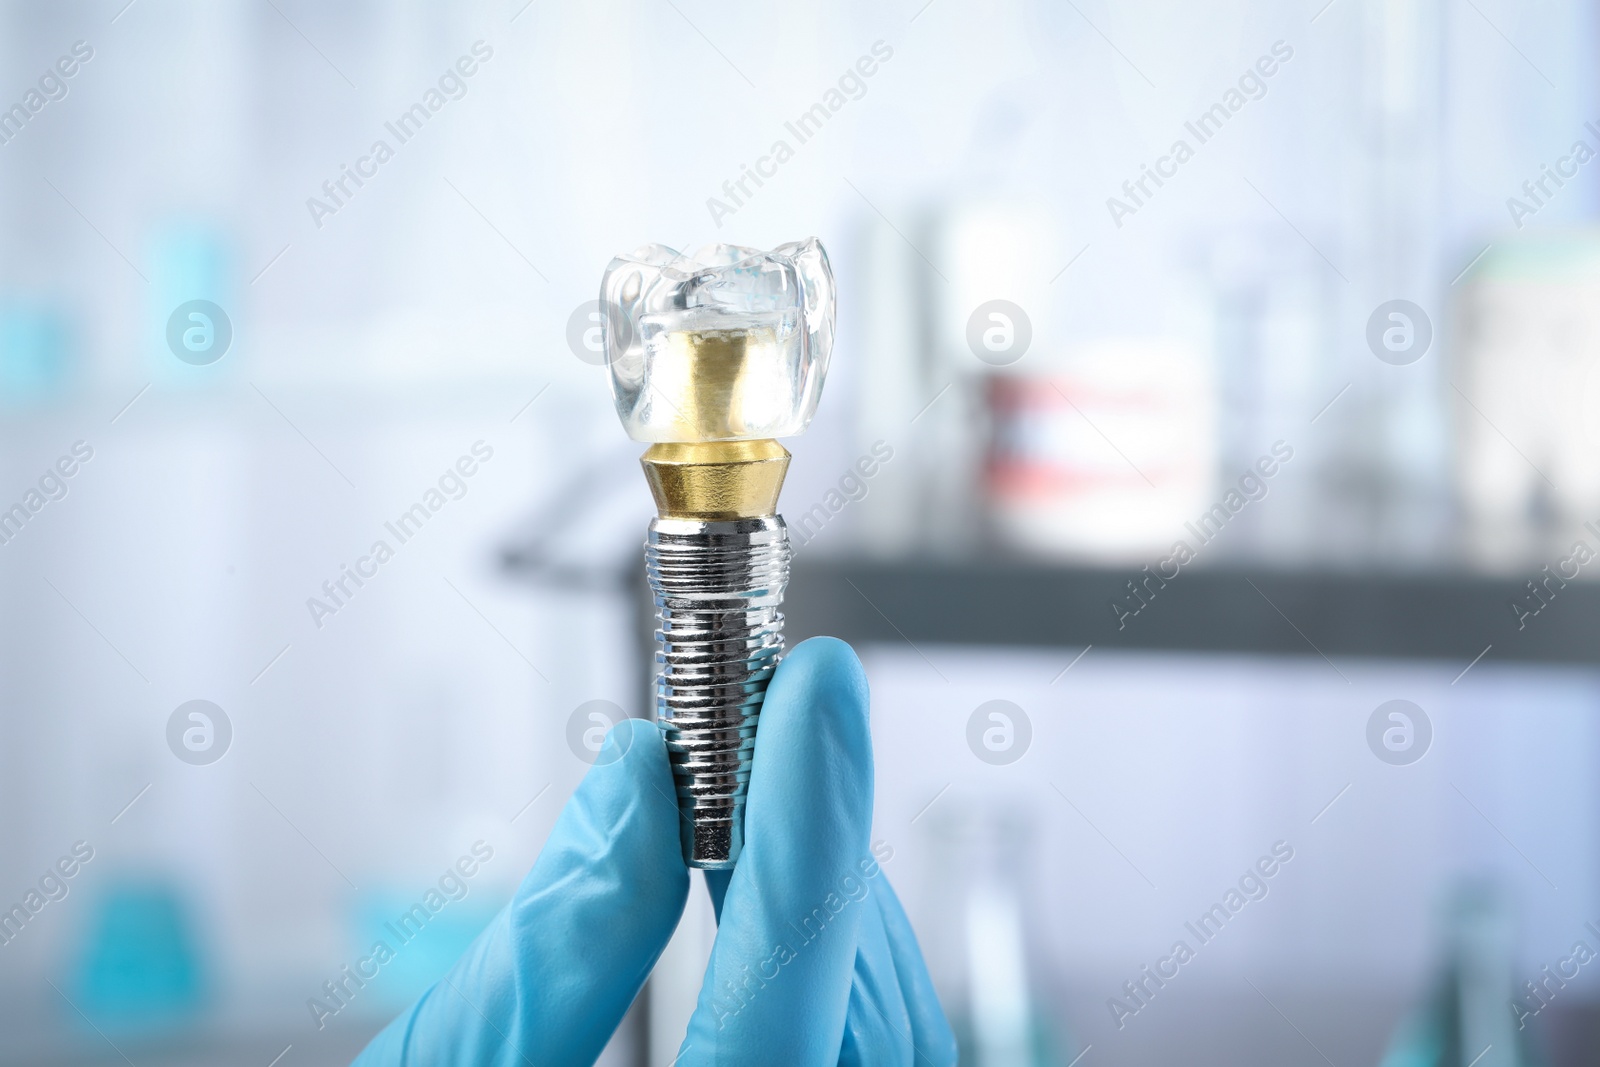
[718, 586]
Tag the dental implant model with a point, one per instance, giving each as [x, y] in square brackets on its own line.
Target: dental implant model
[713, 357]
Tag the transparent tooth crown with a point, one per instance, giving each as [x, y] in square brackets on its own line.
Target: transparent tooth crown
[730, 344]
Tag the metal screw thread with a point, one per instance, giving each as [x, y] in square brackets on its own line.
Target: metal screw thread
[717, 587]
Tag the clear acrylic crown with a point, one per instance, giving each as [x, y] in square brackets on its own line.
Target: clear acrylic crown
[730, 344]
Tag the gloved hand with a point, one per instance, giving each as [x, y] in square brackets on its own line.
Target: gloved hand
[814, 961]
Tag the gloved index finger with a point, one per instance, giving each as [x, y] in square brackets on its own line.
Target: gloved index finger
[550, 979]
[778, 984]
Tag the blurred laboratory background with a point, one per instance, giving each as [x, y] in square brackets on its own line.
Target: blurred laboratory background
[1208, 476]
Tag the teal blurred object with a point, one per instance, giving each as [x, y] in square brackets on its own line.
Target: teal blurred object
[34, 352]
[190, 260]
[141, 968]
[1468, 1017]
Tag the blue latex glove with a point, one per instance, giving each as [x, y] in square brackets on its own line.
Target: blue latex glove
[814, 961]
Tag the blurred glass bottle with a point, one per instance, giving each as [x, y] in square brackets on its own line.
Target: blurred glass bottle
[978, 949]
[1468, 1018]
[1396, 464]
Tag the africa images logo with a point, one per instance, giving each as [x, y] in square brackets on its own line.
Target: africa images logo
[1399, 732]
[199, 732]
[199, 332]
[999, 732]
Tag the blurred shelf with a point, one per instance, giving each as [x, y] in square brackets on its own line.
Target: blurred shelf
[1018, 603]
[1423, 616]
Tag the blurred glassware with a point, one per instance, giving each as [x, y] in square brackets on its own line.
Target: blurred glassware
[1468, 1019]
[1275, 328]
[1527, 422]
[1392, 467]
[141, 968]
[978, 952]
[896, 383]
